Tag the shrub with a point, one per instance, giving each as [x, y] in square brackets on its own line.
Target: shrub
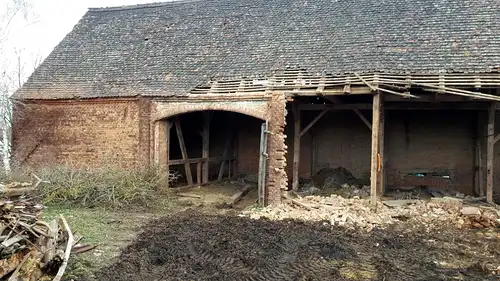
[107, 187]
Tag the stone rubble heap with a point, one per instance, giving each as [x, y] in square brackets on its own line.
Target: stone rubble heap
[356, 212]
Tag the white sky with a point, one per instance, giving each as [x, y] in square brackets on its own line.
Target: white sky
[53, 20]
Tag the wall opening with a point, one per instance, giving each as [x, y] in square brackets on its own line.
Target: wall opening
[233, 148]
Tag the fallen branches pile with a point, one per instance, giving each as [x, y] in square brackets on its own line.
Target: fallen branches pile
[30, 248]
[356, 212]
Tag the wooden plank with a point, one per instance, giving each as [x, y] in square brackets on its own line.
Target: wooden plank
[490, 152]
[296, 147]
[182, 145]
[375, 148]
[239, 195]
[314, 121]
[205, 146]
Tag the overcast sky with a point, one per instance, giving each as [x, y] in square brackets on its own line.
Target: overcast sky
[54, 19]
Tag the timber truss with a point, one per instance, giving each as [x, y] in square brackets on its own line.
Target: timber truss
[298, 82]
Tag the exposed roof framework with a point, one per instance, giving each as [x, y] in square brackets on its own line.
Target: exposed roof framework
[299, 82]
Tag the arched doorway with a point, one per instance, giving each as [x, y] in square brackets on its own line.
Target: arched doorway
[203, 147]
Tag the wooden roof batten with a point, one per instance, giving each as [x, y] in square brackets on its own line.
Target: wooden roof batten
[301, 83]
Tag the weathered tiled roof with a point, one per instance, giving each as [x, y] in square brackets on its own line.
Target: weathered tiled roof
[169, 48]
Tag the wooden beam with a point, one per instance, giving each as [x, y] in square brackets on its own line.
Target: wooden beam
[490, 152]
[497, 137]
[375, 156]
[205, 151]
[363, 118]
[182, 145]
[459, 92]
[400, 106]
[296, 147]
[338, 91]
[314, 121]
[373, 88]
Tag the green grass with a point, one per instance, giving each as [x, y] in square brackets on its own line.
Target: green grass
[109, 230]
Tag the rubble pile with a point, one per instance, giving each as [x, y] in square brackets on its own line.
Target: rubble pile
[30, 248]
[357, 212]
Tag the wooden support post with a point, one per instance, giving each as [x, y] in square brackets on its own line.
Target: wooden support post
[381, 150]
[185, 157]
[479, 165]
[225, 157]
[296, 147]
[375, 158]
[205, 146]
[198, 173]
[162, 143]
[490, 152]
[168, 125]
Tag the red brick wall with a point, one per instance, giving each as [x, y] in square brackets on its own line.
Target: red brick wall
[414, 140]
[248, 145]
[431, 140]
[78, 133]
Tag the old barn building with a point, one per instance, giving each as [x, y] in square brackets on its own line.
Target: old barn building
[401, 93]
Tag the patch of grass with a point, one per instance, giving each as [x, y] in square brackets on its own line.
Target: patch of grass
[109, 230]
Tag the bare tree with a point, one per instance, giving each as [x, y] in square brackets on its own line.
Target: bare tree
[12, 69]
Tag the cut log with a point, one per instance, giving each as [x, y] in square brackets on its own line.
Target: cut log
[240, 194]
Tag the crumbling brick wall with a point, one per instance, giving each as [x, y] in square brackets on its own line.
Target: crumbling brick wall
[77, 133]
[277, 178]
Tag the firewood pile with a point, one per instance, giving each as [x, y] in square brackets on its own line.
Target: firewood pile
[358, 213]
[30, 248]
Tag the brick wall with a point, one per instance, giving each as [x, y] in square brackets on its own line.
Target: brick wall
[78, 133]
[414, 140]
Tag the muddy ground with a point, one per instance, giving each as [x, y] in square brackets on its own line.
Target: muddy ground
[192, 245]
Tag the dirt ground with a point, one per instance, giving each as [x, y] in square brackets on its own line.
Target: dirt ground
[192, 245]
[199, 240]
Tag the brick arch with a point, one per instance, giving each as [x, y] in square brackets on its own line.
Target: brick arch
[257, 109]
